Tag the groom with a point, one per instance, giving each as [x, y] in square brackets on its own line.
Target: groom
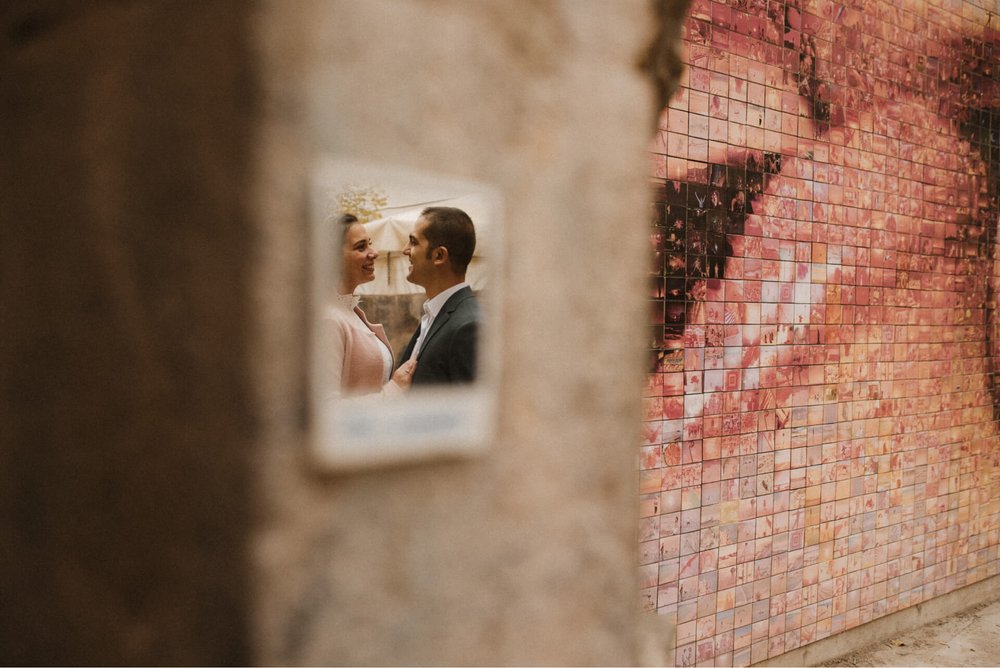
[440, 249]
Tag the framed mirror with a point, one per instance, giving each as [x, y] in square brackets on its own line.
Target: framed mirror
[403, 306]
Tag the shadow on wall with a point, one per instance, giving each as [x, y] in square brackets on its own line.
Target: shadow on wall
[126, 411]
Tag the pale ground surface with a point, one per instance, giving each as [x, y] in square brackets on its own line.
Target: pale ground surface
[968, 638]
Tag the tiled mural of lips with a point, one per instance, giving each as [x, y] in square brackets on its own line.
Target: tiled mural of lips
[693, 222]
[820, 444]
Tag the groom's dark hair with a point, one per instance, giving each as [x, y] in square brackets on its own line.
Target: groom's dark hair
[453, 229]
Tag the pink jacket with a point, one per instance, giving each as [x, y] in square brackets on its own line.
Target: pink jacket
[355, 361]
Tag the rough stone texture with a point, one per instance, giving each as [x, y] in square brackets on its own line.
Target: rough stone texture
[523, 556]
[124, 269]
[155, 505]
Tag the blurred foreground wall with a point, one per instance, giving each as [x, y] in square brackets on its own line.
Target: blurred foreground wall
[516, 557]
[125, 282]
[154, 502]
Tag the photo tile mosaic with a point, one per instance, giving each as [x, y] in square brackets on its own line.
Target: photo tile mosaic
[819, 446]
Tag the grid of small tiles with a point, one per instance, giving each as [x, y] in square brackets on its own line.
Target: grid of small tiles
[820, 445]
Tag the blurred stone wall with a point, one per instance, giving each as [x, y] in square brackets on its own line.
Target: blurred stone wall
[156, 504]
[125, 271]
[516, 557]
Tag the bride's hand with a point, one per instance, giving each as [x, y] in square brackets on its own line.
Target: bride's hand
[404, 374]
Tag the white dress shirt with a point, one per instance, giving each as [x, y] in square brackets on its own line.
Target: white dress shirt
[431, 309]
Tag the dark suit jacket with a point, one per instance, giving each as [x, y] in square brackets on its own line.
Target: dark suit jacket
[449, 352]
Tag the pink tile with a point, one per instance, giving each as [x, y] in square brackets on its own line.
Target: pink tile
[818, 465]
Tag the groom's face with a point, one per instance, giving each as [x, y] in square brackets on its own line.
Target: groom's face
[419, 251]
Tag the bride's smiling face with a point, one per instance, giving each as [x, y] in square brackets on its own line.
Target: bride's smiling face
[358, 258]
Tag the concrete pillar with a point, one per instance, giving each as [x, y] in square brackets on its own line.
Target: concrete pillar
[155, 502]
[523, 556]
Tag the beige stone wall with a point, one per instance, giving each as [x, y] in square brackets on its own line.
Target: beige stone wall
[155, 505]
[523, 556]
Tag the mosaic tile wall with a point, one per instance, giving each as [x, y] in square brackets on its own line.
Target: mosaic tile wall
[820, 444]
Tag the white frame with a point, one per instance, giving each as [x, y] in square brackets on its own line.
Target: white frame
[425, 423]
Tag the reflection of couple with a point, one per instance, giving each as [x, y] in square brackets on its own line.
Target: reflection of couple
[443, 349]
